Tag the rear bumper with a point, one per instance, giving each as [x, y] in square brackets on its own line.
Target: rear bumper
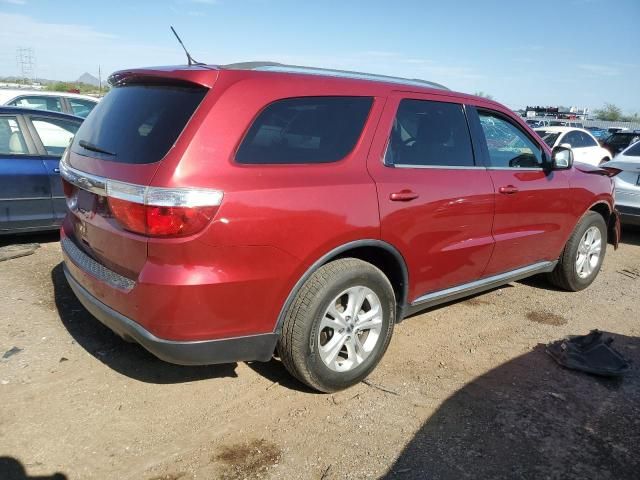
[201, 352]
[629, 215]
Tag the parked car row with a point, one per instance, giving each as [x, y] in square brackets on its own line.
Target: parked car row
[539, 123]
[71, 103]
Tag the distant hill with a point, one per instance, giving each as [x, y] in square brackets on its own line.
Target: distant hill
[88, 79]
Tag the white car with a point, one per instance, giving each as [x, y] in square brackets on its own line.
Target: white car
[586, 148]
[628, 184]
[74, 104]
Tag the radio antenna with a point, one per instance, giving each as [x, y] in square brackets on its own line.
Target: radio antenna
[190, 59]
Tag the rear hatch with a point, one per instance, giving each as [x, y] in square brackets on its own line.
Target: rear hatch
[116, 153]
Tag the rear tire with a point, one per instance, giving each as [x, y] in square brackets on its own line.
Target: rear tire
[582, 256]
[339, 325]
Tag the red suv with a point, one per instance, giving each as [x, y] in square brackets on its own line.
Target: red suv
[222, 214]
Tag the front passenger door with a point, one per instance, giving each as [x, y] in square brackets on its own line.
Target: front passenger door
[532, 204]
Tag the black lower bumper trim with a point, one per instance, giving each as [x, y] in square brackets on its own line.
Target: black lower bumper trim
[629, 215]
[202, 352]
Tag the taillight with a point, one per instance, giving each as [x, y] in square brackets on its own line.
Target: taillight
[162, 212]
[153, 211]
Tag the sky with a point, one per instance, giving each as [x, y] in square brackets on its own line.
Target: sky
[579, 53]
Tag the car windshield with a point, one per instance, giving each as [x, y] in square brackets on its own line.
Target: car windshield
[550, 138]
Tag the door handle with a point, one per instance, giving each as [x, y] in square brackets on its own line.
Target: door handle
[508, 190]
[56, 170]
[403, 196]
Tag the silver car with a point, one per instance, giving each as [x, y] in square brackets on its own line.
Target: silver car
[628, 184]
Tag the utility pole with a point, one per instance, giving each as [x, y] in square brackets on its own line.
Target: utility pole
[99, 81]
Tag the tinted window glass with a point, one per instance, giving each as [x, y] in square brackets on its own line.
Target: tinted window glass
[11, 139]
[429, 133]
[52, 104]
[508, 145]
[55, 134]
[81, 108]
[633, 151]
[572, 138]
[622, 139]
[305, 130]
[587, 141]
[138, 123]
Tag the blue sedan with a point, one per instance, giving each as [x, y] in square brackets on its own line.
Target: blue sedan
[31, 144]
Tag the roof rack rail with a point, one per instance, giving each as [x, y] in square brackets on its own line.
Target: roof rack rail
[282, 68]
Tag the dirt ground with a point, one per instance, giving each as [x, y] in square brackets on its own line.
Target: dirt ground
[464, 391]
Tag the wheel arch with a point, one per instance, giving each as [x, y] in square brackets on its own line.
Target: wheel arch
[611, 220]
[603, 209]
[377, 252]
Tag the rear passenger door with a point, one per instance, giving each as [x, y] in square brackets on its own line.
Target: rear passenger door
[436, 202]
[51, 136]
[532, 204]
[25, 191]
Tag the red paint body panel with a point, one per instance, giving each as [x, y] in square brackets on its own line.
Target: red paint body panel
[540, 234]
[275, 221]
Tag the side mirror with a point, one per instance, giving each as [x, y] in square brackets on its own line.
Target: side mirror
[565, 145]
[561, 158]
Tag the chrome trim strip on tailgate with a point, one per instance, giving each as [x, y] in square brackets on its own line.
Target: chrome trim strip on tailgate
[89, 265]
[85, 181]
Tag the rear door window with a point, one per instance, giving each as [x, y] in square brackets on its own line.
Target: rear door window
[305, 130]
[55, 134]
[427, 133]
[81, 108]
[42, 102]
[137, 123]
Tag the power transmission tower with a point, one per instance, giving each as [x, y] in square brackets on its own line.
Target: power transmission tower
[26, 60]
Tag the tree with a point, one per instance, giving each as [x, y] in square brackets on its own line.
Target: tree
[482, 94]
[631, 118]
[609, 112]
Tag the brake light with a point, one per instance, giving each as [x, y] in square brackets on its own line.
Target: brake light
[162, 212]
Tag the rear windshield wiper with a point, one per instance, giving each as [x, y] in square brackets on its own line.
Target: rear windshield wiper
[94, 148]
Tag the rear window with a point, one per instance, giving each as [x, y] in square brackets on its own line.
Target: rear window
[622, 139]
[305, 130]
[633, 151]
[137, 123]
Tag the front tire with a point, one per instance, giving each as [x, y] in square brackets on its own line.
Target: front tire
[582, 256]
[339, 325]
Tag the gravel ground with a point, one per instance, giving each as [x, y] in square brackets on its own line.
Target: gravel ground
[464, 391]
